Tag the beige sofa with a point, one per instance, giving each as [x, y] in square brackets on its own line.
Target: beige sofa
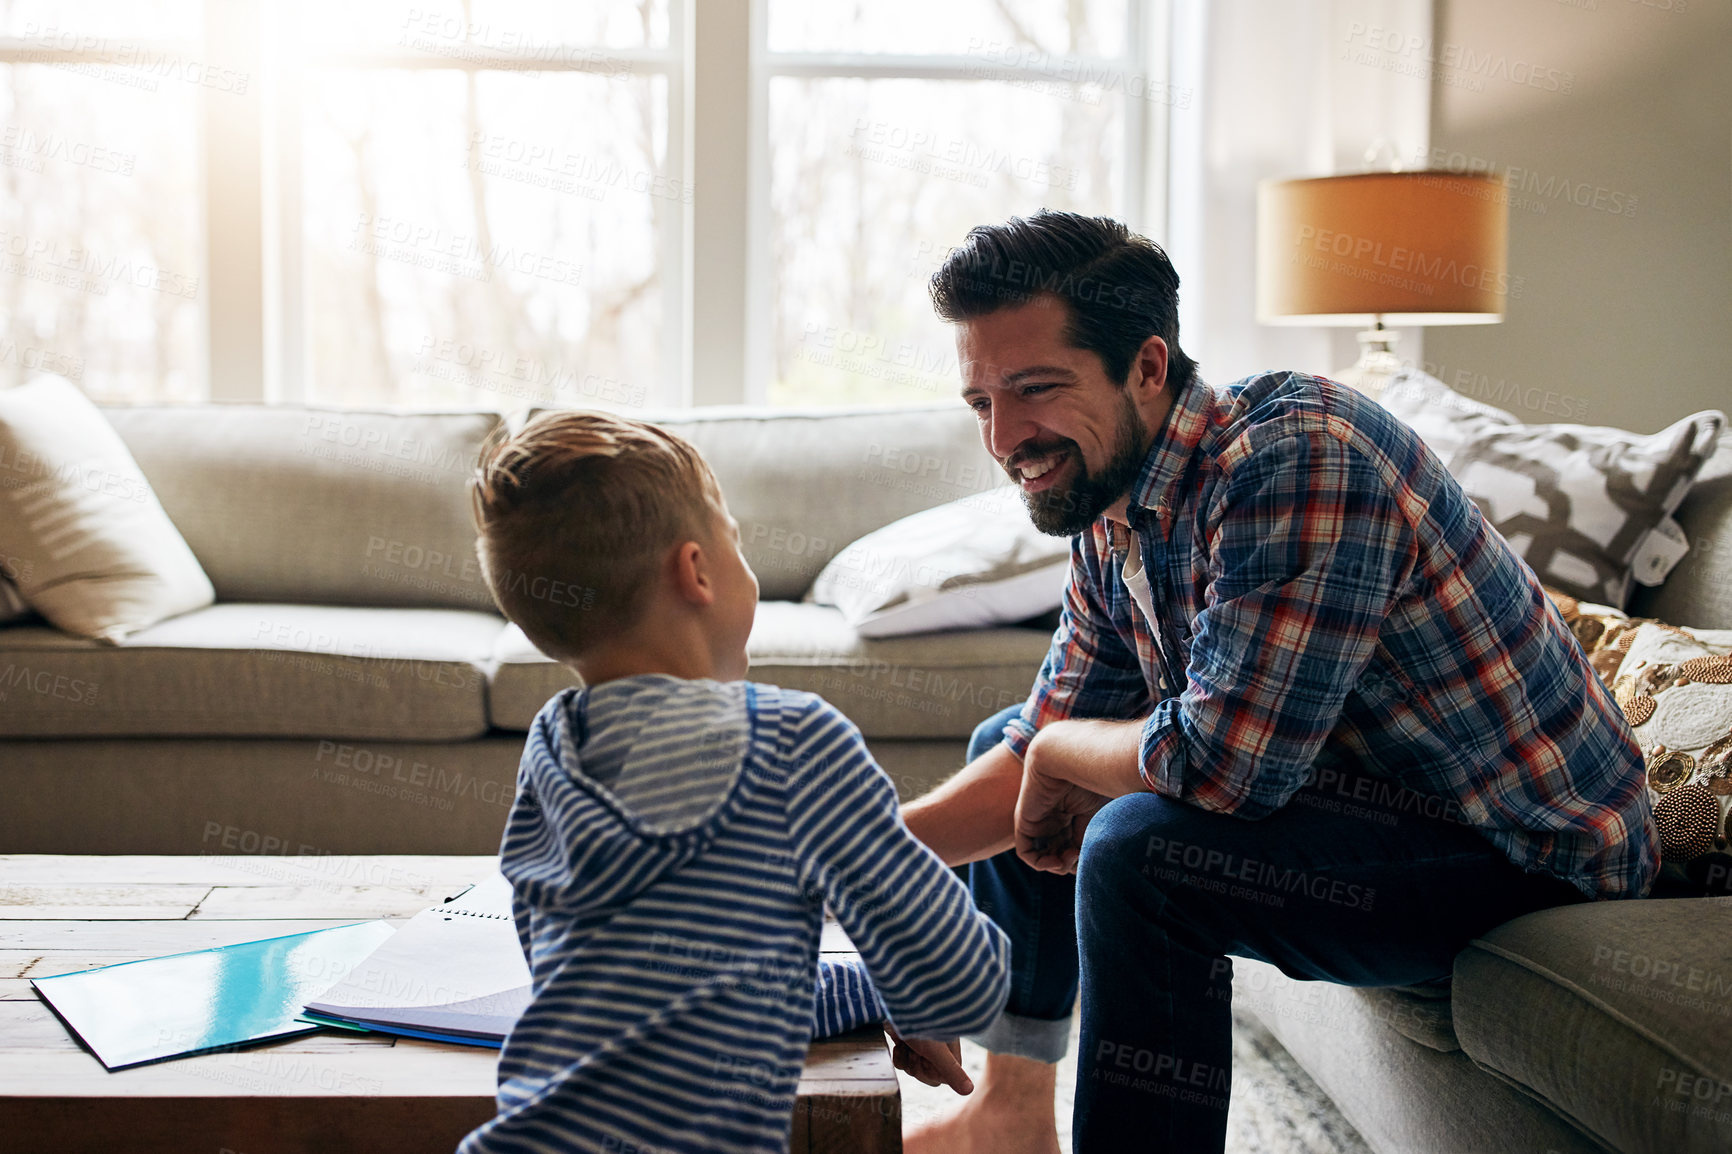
[1605, 1026]
[354, 690]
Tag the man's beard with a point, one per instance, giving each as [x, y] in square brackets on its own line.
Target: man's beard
[1062, 511]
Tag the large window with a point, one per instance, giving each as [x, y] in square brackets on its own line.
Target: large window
[486, 204]
[896, 125]
[101, 229]
[625, 203]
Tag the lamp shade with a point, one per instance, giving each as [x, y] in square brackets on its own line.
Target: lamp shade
[1408, 248]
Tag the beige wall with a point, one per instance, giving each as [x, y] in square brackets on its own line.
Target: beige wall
[1624, 311]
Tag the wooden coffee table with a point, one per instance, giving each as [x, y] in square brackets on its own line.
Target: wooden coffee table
[324, 1093]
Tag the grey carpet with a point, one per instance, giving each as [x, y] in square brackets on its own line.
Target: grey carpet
[1276, 1107]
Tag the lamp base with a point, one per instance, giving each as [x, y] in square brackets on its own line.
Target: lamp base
[1377, 362]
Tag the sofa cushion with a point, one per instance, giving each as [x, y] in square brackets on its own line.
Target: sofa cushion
[1616, 1014]
[1401, 1098]
[1697, 591]
[1417, 1014]
[930, 686]
[256, 670]
[318, 506]
[805, 484]
[247, 796]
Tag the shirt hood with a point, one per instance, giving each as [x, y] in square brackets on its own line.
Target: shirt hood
[632, 777]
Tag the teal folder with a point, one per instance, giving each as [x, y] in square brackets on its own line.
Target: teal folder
[138, 1012]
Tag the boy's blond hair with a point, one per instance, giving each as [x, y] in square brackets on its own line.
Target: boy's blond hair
[576, 513]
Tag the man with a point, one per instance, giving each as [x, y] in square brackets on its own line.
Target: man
[1303, 704]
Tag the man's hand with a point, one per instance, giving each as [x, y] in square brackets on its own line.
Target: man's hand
[933, 1062]
[1052, 815]
[1072, 769]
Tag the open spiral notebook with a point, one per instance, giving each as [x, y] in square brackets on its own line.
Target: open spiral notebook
[454, 973]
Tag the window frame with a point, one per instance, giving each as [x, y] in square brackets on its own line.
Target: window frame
[283, 351]
[1146, 62]
[254, 308]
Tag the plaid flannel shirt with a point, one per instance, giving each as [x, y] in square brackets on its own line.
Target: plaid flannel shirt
[1325, 593]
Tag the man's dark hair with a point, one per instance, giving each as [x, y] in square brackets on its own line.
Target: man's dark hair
[1120, 288]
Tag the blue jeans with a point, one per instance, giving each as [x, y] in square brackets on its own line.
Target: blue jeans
[1339, 885]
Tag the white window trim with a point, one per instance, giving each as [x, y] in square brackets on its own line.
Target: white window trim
[1143, 66]
[716, 297]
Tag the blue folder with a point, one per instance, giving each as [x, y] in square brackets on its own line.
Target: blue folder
[138, 1012]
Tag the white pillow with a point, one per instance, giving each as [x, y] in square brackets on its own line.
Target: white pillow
[965, 565]
[98, 556]
[12, 606]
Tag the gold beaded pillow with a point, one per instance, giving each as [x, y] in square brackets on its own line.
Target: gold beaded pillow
[1675, 688]
[1605, 633]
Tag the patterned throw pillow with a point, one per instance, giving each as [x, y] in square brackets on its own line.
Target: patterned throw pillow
[1675, 688]
[1588, 508]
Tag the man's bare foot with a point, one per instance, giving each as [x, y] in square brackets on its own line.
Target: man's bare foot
[1010, 1112]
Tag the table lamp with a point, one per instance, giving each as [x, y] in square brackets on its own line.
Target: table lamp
[1377, 248]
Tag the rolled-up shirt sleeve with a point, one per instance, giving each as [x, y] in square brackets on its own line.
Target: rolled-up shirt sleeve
[1308, 551]
[1090, 670]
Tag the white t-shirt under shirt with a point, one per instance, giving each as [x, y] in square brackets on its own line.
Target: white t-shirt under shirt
[1137, 585]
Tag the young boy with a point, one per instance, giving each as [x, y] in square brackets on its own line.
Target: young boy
[677, 830]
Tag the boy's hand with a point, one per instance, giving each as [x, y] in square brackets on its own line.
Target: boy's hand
[933, 1062]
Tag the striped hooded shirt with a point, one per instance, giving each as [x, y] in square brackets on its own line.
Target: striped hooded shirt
[1325, 593]
[671, 848]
